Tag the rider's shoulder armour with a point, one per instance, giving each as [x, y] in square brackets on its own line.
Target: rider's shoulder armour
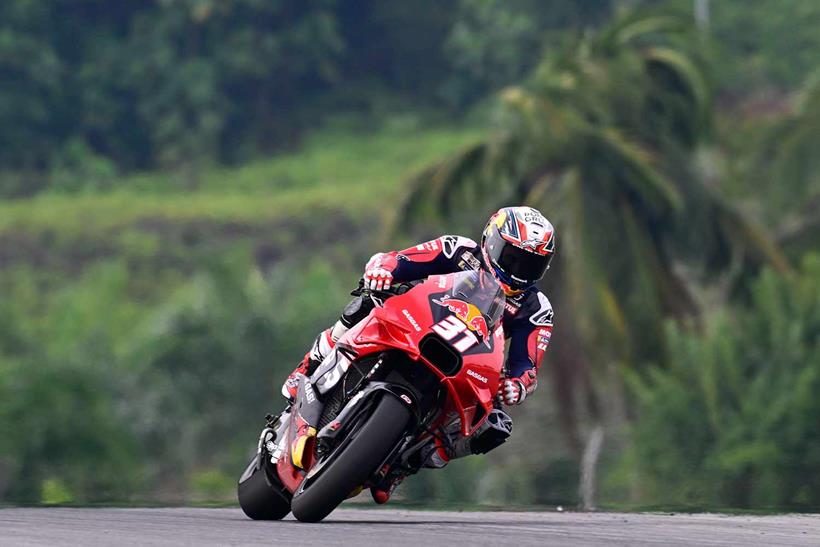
[531, 306]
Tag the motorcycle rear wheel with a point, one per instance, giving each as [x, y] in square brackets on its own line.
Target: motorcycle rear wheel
[358, 461]
[261, 498]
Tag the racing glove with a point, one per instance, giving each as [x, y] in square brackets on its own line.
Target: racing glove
[513, 391]
[378, 274]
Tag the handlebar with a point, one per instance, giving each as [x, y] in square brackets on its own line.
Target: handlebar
[394, 290]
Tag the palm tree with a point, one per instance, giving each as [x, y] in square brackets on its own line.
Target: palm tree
[601, 138]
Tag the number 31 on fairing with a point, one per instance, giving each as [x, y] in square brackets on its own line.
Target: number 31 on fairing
[450, 328]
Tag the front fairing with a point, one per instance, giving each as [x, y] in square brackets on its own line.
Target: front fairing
[461, 311]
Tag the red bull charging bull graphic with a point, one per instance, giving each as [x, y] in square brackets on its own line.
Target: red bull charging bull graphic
[469, 314]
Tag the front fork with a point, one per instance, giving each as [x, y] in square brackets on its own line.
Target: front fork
[267, 448]
[273, 436]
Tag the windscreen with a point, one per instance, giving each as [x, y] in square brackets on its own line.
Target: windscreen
[480, 289]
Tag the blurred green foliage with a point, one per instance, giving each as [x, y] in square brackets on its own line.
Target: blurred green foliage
[154, 83]
[495, 42]
[55, 492]
[731, 419]
[93, 89]
[120, 400]
[765, 43]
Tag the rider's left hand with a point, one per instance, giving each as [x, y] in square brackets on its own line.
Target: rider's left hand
[513, 391]
[378, 274]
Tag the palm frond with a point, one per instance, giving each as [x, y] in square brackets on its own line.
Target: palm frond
[758, 247]
[541, 187]
[638, 26]
[803, 232]
[645, 182]
[688, 72]
[426, 189]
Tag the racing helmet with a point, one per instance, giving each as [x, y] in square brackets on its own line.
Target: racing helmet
[517, 246]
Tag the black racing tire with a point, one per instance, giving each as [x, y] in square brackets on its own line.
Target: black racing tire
[357, 462]
[261, 498]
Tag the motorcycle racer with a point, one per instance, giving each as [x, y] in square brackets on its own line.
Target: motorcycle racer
[517, 246]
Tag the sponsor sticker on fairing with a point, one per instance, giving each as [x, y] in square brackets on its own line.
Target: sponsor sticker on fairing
[468, 313]
[309, 394]
[411, 320]
[477, 376]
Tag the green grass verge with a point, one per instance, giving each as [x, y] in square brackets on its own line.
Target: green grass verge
[335, 170]
[333, 191]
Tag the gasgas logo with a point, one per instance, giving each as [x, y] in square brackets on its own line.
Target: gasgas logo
[412, 320]
[477, 376]
[468, 313]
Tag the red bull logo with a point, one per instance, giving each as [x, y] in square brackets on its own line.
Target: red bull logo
[468, 313]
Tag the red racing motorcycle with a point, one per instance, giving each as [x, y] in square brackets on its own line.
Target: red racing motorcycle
[427, 360]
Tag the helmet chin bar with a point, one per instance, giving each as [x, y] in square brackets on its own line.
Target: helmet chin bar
[504, 281]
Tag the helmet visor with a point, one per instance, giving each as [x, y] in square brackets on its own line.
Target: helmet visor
[522, 266]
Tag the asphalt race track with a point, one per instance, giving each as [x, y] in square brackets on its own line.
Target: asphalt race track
[186, 526]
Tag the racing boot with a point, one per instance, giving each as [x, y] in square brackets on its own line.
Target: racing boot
[381, 492]
[291, 385]
[448, 445]
[438, 454]
[434, 455]
[451, 445]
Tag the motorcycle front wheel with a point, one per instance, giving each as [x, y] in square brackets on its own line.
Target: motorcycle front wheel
[357, 461]
[262, 498]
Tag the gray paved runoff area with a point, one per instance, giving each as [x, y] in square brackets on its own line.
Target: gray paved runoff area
[190, 526]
